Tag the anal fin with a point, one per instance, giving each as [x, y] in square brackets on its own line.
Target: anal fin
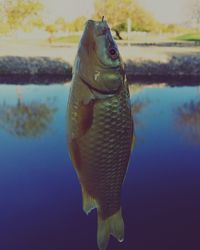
[88, 202]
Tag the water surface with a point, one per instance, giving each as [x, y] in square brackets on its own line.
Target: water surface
[41, 206]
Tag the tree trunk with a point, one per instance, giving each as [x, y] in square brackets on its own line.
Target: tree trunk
[118, 34]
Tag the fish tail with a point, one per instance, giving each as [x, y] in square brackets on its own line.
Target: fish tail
[88, 202]
[114, 225]
[117, 226]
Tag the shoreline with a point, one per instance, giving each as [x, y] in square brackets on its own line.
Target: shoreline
[43, 80]
[25, 64]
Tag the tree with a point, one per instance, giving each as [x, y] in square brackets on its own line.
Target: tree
[19, 13]
[77, 24]
[195, 12]
[37, 22]
[51, 29]
[172, 28]
[61, 24]
[142, 20]
[116, 13]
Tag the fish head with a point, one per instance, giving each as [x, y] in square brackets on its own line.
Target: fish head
[99, 61]
[106, 48]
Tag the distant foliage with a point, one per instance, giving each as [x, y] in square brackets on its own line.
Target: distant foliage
[116, 13]
[15, 14]
[195, 13]
[172, 28]
[61, 25]
[27, 14]
[51, 29]
[77, 24]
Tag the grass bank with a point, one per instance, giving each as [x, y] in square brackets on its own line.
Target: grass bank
[195, 37]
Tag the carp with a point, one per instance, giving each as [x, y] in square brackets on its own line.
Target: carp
[100, 127]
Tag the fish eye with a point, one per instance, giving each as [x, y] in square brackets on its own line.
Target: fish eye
[113, 53]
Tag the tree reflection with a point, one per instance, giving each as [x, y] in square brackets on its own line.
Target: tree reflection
[26, 120]
[137, 107]
[188, 119]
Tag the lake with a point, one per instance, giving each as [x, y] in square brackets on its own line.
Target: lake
[41, 204]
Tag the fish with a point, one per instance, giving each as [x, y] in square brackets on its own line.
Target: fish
[100, 127]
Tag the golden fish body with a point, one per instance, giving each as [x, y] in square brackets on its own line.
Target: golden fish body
[100, 138]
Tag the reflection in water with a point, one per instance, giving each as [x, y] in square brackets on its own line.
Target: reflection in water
[135, 88]
[26, 120]
[137, 106]
[40, 198]
[188, 119]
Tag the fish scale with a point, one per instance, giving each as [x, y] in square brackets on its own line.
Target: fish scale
[104, 153]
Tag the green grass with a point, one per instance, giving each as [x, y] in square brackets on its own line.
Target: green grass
[189, 37]
[67, 39]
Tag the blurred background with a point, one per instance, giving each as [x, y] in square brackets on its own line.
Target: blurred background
[62, 21]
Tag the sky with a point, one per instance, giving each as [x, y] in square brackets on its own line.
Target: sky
[166, 11]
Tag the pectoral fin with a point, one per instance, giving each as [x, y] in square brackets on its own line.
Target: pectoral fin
[84, 122]
[85, 117]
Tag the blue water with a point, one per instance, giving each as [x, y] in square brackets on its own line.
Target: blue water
[40, 197]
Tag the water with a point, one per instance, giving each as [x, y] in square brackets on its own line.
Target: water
[40, 197]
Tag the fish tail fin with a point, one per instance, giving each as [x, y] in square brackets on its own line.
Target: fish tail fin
[88, 202]
[117, 226]
[113, 225]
